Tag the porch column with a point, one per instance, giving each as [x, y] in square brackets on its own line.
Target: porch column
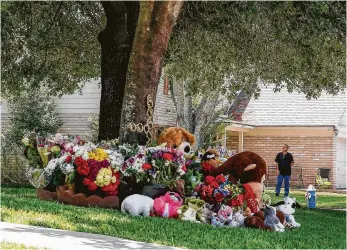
[240, 141]
[225, 138]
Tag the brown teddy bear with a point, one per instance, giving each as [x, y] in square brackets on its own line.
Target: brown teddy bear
[177, 138]
[246, 167]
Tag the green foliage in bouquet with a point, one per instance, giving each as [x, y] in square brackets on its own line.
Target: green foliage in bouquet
[191, 179]
[58, 178]
[128, 150]
[31, 152]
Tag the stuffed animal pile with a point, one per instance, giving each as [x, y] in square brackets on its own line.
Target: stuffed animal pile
[250, 209]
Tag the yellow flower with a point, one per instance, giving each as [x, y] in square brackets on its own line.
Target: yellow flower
[104, 177]
[98, 154]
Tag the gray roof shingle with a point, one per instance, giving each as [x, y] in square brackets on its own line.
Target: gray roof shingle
[293, 109]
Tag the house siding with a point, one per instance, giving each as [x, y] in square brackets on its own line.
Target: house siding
[309, 152]
[76, 108]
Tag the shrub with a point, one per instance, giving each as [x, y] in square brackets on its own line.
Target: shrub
[33, 111]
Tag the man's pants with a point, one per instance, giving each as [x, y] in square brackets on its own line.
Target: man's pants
[286, 184]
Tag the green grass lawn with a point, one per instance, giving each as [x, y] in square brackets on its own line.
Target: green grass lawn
[324, 199]
[321, 228]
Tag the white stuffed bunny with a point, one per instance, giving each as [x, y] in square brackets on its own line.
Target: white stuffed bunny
[137, 204]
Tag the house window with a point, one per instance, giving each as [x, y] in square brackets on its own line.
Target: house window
[166, 86]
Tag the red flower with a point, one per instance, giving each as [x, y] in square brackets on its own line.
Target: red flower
[68, 159]
[206, 167]
[79, 160]
[184, 168]
[83, 169]
[90, 184]
[197, 188]
[220, 179]
[117, 175]
[146, 166]
[111, 189]
[214, 184]
[167, 156]
[219, 197]
[209, 179]
[238, 201]
[209, 190]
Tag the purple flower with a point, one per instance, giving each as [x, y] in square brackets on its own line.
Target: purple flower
[131, 160]
[95, 167]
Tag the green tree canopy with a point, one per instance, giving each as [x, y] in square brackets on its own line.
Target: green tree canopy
[228, 46]
[49, 44]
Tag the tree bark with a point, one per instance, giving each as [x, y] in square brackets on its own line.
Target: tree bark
[116, 42]
[155, 23]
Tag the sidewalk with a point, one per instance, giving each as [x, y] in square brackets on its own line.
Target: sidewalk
[62, 239]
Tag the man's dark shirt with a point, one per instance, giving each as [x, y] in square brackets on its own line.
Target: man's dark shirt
[284, 161]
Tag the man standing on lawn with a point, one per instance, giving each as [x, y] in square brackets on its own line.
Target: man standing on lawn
[284, 162]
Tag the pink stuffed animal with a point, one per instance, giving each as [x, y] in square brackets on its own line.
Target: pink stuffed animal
[167, 205]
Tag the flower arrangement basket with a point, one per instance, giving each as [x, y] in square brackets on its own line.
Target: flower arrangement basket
[46, 195]
[68, 196]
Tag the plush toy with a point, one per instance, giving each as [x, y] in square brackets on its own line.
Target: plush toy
[287, 206]
[246, 167]
[207, 212]
[266, 199]
[271, 219]
[167, 205]
[212, 157]
[225, 214]
[250, 198]
[215, 221]
[192, 210]
[256, 220]
[238, 220]
[247, 212]
[177, 138]
[178, 187]
[137, 204]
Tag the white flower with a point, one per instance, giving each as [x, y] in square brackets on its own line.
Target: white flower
[116, 159]
[25, 141]
[75, 148]
[52, 164]
[67, 169]
[62, 159]
[85, 156]
[68, 146]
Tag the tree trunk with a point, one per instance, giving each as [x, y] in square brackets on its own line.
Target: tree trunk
[205, 115]
[116, 42]
[188, 110]
[155, 23]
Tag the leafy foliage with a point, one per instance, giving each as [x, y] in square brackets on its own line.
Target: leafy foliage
[228, 46]
[49, 44]
[32, 111]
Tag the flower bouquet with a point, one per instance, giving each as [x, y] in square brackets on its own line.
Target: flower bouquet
[218, 190]
[96, 172]
[164, 165]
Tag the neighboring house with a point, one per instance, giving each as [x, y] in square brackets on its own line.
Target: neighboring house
[314, 129]
[75, 109]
